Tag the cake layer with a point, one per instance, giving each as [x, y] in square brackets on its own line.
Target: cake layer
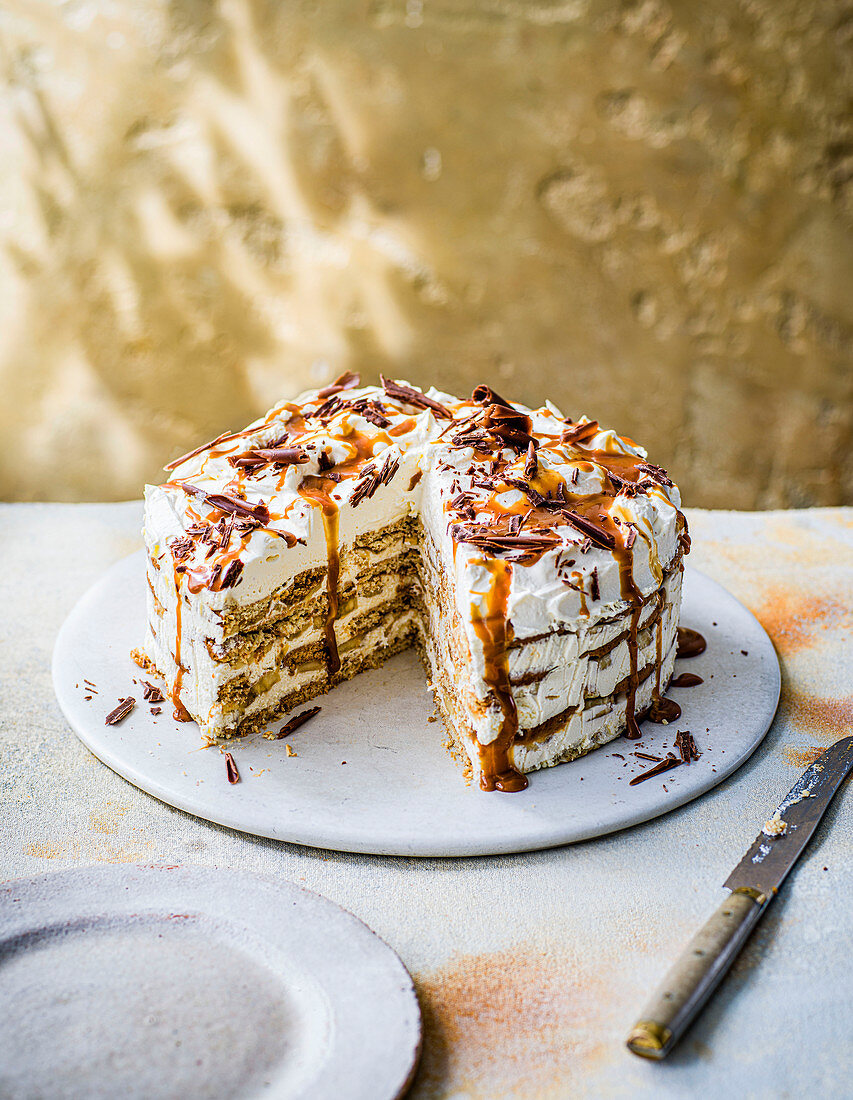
[242, 674]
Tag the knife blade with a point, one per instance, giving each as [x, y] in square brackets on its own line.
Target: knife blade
[753, 883]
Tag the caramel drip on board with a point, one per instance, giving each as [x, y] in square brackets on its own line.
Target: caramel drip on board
[686, 680]
[663, 710]
[690, 642]
[497, 771]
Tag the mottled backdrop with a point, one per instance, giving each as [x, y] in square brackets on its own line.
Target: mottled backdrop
[642, 210]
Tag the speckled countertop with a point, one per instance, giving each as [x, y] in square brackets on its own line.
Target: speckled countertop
[530, 968]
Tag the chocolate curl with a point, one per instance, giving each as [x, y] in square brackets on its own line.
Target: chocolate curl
[579, 433]
[230, 505]
[485, 395]
[263, 456]
[531, 465]
[295, 722]
[506, 424]
[231, 769]
[346, 381]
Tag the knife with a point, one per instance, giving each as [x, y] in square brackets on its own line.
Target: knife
[753, 884]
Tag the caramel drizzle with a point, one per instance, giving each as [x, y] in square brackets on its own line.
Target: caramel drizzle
[180, 713]
[321, 498]
[497, 772]
[317, 490]
[661, 710]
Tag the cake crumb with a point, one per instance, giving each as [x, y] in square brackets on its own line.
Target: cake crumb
[775, 826]
[289, 750]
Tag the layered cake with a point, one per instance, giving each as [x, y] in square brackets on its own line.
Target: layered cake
[535, 561]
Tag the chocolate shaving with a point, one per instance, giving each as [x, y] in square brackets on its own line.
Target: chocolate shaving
[258, 512]
[656, 473]
[295, 722]
[366, 486]
[175, 463]
[151, 693]
[227, 528]
[371, 479]
[648, 756]
[488, 538]
[125, 706]
[531, 465]
[588, 528]
[231, 769]
[623, 486]
[391, 466]
[156, 710]
[181, 548]
[686, 746]
[345, 381]
[324, 461]
[664, 766]
[375, 417]
[594, 589]
[535, 498]
[410, 396]
[374, 411]
[231, 576]
[327, 409]
[473, 437]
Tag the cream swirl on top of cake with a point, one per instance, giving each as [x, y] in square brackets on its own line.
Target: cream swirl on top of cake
[544, 524]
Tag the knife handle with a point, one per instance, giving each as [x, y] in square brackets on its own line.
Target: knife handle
[696, 974]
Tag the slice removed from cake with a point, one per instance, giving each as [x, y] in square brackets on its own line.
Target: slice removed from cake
[533, 560]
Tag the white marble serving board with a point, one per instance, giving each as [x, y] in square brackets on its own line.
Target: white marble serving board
[152, 983]
[370, 772]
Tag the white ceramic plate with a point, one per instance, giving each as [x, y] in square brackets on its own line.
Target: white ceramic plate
[148, 983]
[371, 773]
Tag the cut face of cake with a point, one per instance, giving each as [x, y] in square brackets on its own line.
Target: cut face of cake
[534, 561]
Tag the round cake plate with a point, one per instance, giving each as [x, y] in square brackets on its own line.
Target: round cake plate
[371, 773]
[163, 982]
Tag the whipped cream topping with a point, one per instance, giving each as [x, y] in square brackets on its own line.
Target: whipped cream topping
[543, 523]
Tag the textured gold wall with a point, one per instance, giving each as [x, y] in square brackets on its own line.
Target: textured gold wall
[641, 210]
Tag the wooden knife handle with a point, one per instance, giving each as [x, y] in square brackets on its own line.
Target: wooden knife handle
[696, 974]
